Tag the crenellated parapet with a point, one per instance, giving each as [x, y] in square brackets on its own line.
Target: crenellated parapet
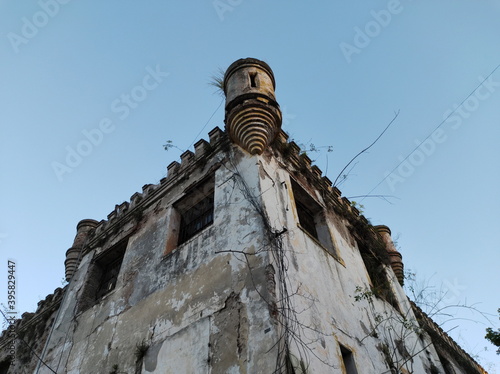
[49, 304]
[132, 211]
[443, 342]
[27, 335]
[370, 244]
[293, 158]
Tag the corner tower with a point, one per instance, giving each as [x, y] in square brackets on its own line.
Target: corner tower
[73, 255]
[253, 117]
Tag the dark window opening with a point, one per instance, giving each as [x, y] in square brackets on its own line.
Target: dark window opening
[102, 275]
[4, 367]
[253, 82]
[311, 217]
[306, 219]
[110, 268]
[348, 360]
[196, 219]
[195, 210]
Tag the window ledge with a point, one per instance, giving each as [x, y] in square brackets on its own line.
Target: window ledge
[191, 239]
[98, 301]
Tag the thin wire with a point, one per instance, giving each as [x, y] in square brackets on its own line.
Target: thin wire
[292, 330]
[203, 128]
[367, 148]
[197, 135]
[430, 134]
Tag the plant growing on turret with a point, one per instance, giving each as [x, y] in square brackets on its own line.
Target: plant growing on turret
[217, 81]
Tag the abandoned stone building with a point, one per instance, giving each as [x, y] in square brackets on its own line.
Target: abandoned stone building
[243, 259]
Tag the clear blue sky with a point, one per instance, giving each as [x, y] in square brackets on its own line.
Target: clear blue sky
[342, 70]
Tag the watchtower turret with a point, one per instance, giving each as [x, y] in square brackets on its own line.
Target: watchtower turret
[73, 255]
[253, 117]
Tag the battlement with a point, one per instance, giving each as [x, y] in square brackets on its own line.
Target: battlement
[189, 160]
[442, 341]
[293, 157]
[291, 154]
[32, 327]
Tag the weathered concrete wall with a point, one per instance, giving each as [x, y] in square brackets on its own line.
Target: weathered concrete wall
[332, 294]
[195, 309]
[254, 292]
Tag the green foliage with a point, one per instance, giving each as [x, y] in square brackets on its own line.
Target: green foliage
[494, 336]
[364, 294]
[308, 148]
[384, 348]
[358, 206]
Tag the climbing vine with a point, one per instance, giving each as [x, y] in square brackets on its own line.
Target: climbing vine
[291, 338]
